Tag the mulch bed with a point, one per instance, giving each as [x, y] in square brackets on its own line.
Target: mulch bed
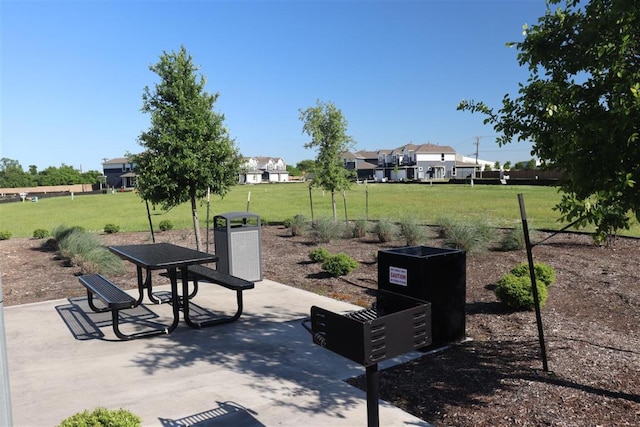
[493, 379]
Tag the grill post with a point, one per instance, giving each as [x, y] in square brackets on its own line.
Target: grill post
[373, 417]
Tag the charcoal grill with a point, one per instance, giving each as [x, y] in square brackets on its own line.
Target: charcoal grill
[394, 325]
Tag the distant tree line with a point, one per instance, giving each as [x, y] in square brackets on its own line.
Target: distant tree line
[12, 175]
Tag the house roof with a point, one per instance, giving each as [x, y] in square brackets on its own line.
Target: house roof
[434, 148]
[117, 161]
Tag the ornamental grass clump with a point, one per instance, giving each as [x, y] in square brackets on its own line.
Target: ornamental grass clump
[411, 231]
[516, 292]
[339, 264]
[297, 225]
[386, 230]
[468, 236]
[326, 229]
[81, 249]
[40, 233]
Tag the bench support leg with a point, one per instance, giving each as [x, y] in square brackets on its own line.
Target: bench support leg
[212, 322]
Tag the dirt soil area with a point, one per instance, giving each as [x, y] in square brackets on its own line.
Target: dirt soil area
[495, 378]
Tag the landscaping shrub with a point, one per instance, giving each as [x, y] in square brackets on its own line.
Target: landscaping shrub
[513, 240]
[544, 272]
[5, 235]
[326, 229]
[515, 292]
[298, 225]
[319, 254]
[467, 236]
[339, 264]
[411, 231]
[102, 417]
[111, 228]
[385, 230]
[359, 229]
[40, 233]
[83, 250]
[165, 225]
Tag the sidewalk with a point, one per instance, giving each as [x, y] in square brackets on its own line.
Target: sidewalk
[262, 370]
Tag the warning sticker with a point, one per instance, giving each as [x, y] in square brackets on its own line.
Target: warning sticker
[398, 276]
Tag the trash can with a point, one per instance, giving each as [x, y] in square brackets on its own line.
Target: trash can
[237, 238]
[435, 275]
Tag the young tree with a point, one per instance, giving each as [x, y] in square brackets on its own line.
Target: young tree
[327, 128]
[581, 108]
[187, 148]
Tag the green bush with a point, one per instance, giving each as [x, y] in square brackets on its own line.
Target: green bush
[102, 417]
[544, 272]
[339, 264]
[326, 229]
[5, 235]
[515, 292]
[319, 254]
[111, 228]
[385, 230]
[165, 225]
[40, 233]
[411, 231]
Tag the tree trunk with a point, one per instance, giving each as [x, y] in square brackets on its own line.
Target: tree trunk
[196, 225]
[333, 204]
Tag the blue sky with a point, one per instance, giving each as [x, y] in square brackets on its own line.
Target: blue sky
[73, 72]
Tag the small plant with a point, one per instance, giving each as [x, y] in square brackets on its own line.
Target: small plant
[165, 225]
[298, 225]
[515, 292]
[385, 230]
[319, 254]
[339, 264]
[410, 230]
[326, 229]
[81, 249]
[544, 272]
[40, 233]
[513, 240]
[5, 235]
[111, 228]
[102, 417]
[467, 236]
[359, 229]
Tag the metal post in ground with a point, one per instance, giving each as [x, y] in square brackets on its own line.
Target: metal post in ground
[534, 288]
[5, 391]
[373, 416]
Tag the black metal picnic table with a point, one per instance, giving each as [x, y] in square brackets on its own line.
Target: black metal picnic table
[169, 257]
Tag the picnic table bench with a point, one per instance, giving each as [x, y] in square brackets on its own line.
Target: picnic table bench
[198, 273]
[115, 300]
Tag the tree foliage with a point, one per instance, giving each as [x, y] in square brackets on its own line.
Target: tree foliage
[581, 108]
[12, 175]
[187, 149]
[327, 128]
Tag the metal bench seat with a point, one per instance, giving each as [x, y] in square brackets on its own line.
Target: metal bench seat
[115, 299]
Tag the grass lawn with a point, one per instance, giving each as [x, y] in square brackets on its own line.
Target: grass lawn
[276, 202]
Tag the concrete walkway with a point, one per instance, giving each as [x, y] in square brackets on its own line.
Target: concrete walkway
[262, 370]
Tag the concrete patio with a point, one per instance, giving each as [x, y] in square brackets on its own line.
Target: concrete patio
[262, 370]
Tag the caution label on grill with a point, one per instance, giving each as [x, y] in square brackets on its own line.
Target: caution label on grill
[398, 276]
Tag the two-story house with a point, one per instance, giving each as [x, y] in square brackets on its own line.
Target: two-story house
[119, 173]
[256, 170]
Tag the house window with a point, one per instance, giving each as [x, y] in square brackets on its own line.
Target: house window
[442, 157]
[453, 171]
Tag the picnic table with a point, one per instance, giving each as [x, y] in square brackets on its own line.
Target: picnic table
[181, 264]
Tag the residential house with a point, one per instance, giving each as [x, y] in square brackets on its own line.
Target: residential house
[119, 173]
[256, 170]
[362, 163]
[413, 162]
